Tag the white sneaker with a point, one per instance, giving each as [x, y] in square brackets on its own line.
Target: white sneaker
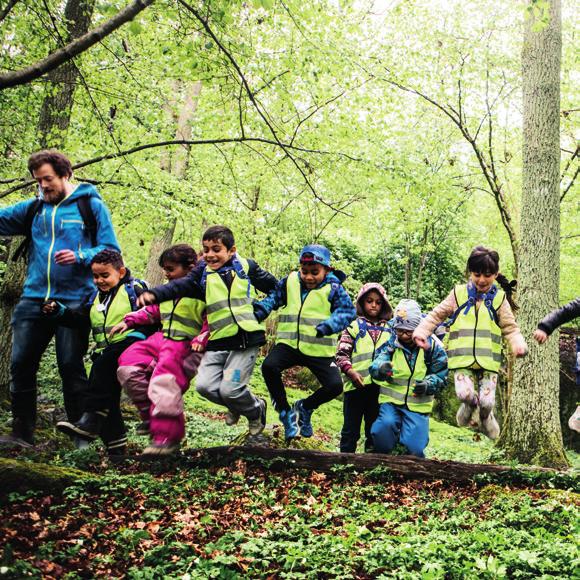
[231, 418]
[464, 413]
[490, 426]
[256, 426]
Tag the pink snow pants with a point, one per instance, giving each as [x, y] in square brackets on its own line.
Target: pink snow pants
[155, 373]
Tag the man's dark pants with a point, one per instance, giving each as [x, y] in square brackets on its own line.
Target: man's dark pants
[31, 334]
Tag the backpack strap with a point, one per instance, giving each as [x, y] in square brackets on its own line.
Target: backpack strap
[86, 211]
[130, 289]
[22, 250]
[92, 297]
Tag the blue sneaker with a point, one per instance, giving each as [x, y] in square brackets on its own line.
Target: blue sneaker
[290, 421]
[304, 418]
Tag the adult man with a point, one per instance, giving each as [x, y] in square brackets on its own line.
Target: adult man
[61, 248]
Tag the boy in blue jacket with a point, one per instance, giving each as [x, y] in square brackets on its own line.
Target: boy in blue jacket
[314, 308]
[409, 377]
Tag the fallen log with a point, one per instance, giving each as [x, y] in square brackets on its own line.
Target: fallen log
[403, 466]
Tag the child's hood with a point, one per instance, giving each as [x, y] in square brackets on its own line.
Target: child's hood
[387, 311]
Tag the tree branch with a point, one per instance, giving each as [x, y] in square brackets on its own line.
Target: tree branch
[68, 52]
[6, 10]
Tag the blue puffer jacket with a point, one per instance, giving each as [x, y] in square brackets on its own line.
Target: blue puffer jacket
[60, 227]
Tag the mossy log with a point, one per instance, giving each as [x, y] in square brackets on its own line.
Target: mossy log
[24, 476]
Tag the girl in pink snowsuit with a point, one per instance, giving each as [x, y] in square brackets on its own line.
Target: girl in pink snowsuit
[157, 373]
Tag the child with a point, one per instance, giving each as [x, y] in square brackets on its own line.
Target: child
[116, 295]
[227, 283]
[156, 372]
[413, 376]
[355, 353]
[314, 308]
[481, 314]
[546, 326]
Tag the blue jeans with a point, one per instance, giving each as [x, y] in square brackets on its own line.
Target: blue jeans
[396, 424]
[31, 334]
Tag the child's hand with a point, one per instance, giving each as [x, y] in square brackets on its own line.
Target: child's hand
[423, 388]
[520, 349]
[49, 307]
[540, 336]
[119, 328]
[197, 347]
[145, 299]
[356, 378]
[421, 341]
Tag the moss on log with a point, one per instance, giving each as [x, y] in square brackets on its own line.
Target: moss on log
[24, 476]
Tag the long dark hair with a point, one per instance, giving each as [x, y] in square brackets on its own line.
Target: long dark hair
[486, 261]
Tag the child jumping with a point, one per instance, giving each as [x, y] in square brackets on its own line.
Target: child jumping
[314, 309]
[481, 314]
[356, 350]
[410, 377]
[156, 372]
[227, 283]
[116, 295]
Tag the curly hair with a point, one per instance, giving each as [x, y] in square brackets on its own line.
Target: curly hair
[60, 162]
[109, 257]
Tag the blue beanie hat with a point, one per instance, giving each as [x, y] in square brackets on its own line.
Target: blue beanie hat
[315, 254]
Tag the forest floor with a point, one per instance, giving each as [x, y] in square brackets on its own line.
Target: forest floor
[135, 520]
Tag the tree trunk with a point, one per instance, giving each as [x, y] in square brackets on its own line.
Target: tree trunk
[176, 162]
[54, 119]
[532, 433]
[56, 108]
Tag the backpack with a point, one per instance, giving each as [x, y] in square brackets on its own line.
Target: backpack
[35, 208]
[130, 288]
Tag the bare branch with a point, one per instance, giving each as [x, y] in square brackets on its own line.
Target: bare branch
[6, 10]
[68, 52]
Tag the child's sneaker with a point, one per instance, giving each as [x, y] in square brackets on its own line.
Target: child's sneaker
[464, 414]
[574, 421]
[289, 419]
[304, 418]
[162, 448]
[87, 427]
[490, 426]
[256, 426]
[143, 428]
[232, 418]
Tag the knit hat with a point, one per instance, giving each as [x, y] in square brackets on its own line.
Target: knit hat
[407, 315]
[315, 254]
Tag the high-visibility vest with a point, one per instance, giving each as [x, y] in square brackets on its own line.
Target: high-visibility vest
[181, 319]
[229, 309]
[398, 390]
[298, 319]
[364, 350]
[104, 315]
[475, 337]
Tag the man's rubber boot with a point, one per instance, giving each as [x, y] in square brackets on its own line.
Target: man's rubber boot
[87, 427]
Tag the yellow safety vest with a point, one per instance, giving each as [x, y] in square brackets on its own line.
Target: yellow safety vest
[363, 356]
[104, 315]
[475, 338]
[182, 319]
[298, 320]
[229, 309]
[398, 389]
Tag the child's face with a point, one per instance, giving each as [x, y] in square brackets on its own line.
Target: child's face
[173, 270]
[216, 254]
[482, 281]
[312, 275]
[405, 337]
[106, 276]
[372, 304]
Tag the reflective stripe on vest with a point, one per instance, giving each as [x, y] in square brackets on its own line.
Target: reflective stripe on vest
[399, 389]
[102, 321]
[475, 337]
[298, 320]
[182, 320]
[229, 309]
[362, 358]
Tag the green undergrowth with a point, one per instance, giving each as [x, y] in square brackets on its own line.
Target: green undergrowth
[250, 522]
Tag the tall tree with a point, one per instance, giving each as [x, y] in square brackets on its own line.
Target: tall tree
[532, 432]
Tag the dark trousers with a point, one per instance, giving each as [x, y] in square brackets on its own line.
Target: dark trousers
[359, 404]
[104, 391]
[283, 357]
[31, 333]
